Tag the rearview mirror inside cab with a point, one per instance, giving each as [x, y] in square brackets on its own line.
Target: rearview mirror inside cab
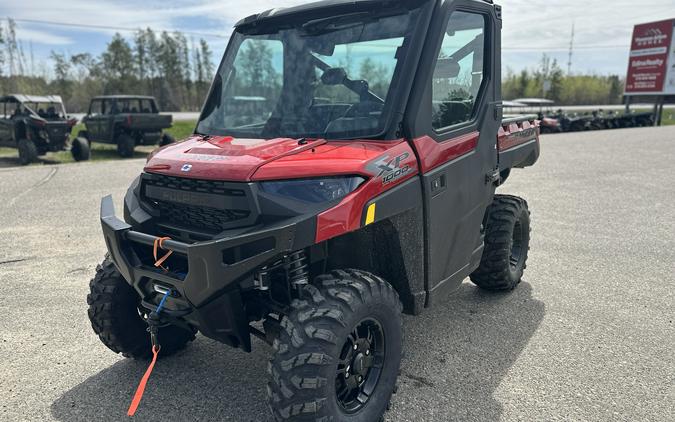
[446, 68]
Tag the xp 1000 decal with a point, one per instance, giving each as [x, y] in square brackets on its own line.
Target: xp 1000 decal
[391, 169]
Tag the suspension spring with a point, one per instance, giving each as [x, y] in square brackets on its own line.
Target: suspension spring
[297, 269]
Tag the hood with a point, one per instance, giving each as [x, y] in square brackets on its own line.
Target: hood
[222, 157]
[236, 159]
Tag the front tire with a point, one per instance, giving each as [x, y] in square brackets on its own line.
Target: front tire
[338, 354]
[116, 318]
[27, 152]
[125, 145]
[507, 241]
[80, 149]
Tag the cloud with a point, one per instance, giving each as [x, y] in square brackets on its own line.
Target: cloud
[217, 16]
[41, 37]
[102, 12]
[547, 25]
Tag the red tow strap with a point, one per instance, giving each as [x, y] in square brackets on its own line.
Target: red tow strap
[141, 386]
[153, 331]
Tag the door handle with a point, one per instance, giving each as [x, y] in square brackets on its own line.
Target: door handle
[438, 185]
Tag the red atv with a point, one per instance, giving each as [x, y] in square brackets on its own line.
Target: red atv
[343, 170]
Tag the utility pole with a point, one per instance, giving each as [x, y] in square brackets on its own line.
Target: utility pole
[569, 56]
[32, 59]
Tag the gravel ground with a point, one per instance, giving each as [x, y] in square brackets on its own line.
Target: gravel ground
[589, 334]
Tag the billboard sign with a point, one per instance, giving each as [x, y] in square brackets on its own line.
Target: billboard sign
[651, 65]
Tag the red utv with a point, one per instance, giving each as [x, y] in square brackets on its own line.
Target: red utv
[356, 181]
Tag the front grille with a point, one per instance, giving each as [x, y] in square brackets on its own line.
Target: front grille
[209, 219]
[56, 133]
[198, 205]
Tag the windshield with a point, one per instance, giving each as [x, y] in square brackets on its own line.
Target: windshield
[328, 78]
[48, 110]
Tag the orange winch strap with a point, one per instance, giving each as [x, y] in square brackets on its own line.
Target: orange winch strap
[141, 386]
[158, 243]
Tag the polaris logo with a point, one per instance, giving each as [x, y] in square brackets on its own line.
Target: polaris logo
[186, 167]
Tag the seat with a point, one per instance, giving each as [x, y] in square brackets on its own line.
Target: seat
[448, 113]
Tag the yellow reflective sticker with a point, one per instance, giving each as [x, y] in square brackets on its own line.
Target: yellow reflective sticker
[370, 214]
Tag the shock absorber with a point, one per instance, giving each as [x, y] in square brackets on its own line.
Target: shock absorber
[297, 269]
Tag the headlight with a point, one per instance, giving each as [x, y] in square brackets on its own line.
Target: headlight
[314, 190]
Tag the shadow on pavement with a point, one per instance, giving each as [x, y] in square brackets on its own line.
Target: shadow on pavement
[458, 353]
[207, 381]
[456, 356]
[8, 161]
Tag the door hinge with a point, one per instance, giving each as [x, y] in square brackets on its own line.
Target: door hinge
[493, 177]
[399, 129]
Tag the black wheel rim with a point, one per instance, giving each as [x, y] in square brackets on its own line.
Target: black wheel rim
[517, 242]
[360, 365]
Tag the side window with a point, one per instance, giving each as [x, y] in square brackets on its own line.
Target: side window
[458, 74]
[96, 108]
[124, 106]
[146, 106]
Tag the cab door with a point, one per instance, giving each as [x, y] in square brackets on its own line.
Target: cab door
[106, 121]
[454, 132]
[93, 119]
[6, 125]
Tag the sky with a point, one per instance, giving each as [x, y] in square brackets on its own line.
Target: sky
[530, 27]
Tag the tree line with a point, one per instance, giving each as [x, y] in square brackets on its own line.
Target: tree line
[574, 89]
[177, 72]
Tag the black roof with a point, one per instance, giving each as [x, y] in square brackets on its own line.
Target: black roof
[314, 10]
[123, 97]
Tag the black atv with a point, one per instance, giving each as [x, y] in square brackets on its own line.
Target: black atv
[36, 125]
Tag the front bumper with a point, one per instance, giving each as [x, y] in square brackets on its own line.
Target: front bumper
[208, 294]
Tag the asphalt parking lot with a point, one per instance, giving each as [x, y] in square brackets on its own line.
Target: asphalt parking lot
[588, 336]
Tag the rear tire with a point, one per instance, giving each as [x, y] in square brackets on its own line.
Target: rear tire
[341, 342]
[115, 318]
[27, 151]
[125, 145]
[80, 149]
[166, 140]
[507, 241]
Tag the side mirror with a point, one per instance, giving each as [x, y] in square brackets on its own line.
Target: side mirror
[334, 76]
[446, 68]
[214, 99]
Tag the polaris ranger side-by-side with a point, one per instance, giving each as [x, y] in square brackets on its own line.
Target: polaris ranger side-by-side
[361, 185]
[127, 121]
